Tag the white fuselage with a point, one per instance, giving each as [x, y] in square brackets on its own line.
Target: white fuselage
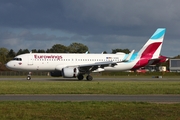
[51, 62]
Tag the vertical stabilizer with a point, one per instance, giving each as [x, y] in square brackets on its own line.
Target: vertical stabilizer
[152, 48]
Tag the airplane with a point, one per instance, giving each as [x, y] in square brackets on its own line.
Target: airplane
[75, 65]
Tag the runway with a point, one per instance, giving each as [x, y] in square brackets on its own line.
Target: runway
[93, 97]
[95, 79]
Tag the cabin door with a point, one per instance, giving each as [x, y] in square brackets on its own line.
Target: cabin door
[30, 60]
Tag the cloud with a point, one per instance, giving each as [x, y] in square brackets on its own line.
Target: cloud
[89, 17]
[106, 23]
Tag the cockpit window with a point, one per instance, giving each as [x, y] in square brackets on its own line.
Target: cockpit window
[17, 59]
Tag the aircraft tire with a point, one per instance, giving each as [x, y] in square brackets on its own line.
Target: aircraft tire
[80, 77]
[89, 78]
[28, 78]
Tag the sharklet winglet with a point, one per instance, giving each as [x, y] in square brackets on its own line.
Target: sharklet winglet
[129, 56]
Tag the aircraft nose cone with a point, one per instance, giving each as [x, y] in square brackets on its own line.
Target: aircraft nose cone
[9, 65]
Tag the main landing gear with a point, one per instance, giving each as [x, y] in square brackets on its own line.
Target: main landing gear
[88, 77]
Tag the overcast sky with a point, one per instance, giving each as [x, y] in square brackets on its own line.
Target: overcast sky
[102, 25]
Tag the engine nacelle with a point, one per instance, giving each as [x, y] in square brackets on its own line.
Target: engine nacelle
[70, 72]
[56, 73]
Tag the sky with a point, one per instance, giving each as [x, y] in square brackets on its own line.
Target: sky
[102, 25]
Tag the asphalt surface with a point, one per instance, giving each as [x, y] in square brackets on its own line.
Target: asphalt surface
[94, 97]
[95, 79]
[90, 97]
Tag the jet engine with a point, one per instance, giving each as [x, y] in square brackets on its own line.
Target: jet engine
[70, 72]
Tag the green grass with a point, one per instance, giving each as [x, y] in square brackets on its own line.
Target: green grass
[93, 87]
[88, 111]
[38, 110]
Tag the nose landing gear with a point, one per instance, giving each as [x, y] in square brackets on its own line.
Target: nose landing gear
[28, 76]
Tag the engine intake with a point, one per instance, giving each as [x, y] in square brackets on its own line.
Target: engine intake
[70, 72]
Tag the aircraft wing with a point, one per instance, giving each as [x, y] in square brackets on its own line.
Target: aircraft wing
[94, 66]
[99, 66]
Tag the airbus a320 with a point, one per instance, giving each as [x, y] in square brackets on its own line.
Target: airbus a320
[74, 65]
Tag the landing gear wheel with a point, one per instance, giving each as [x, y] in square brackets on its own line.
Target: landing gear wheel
[89, 78]
[80, 77]
[28, 78]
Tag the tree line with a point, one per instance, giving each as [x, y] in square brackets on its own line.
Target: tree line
[6, 55]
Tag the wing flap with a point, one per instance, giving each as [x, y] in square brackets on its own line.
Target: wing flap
[107, 63]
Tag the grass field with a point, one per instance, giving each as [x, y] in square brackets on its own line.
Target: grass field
[93, 87]
[91, 110]
[88, 111]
